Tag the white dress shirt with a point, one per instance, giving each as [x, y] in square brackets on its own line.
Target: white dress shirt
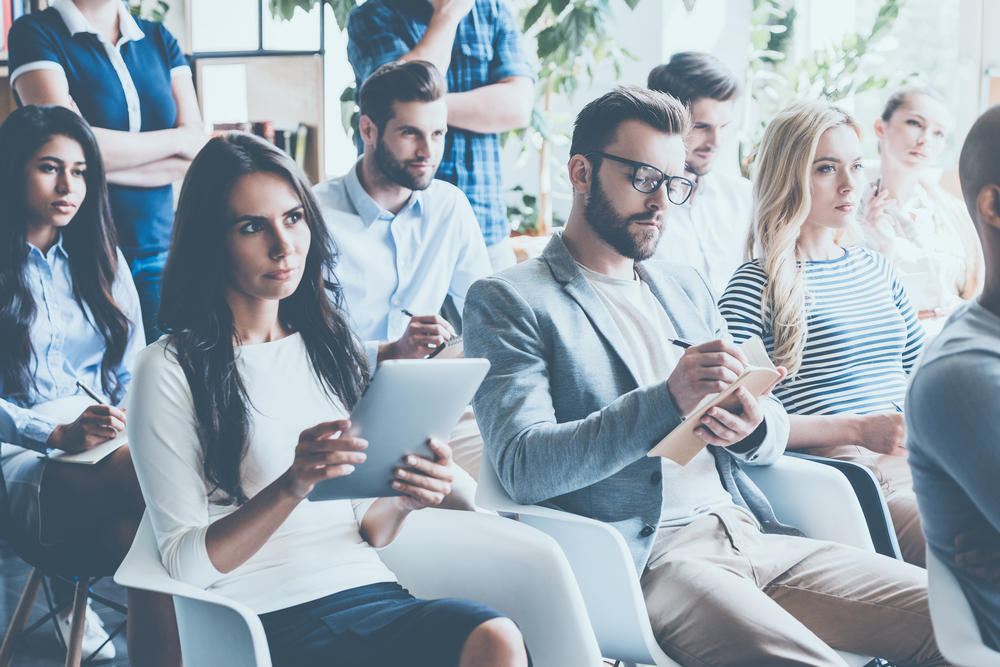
[709, 231]
[431, 249]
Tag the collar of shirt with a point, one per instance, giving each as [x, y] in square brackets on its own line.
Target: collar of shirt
[76, 22]
[57, 249]
[368, 209]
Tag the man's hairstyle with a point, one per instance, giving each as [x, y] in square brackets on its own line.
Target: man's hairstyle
[692, 75]
[597, 123]
[406, 81]
[978, 165]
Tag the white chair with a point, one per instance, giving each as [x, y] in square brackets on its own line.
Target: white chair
[603, 564]
[513, 568]
[955, 627]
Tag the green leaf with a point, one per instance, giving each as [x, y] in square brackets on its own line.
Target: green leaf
[558, 6]
[535, 13]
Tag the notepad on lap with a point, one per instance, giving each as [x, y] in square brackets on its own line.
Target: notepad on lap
[681, 444]
[67, 409]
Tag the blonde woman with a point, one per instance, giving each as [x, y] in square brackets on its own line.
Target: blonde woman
[836, 317]
[922, 230]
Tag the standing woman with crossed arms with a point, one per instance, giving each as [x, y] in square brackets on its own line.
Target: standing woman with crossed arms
[128, 78]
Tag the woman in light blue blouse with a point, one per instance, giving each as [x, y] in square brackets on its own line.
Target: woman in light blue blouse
[68, 312]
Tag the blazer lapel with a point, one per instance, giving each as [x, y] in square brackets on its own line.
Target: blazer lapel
[575, 284]
[688, 322]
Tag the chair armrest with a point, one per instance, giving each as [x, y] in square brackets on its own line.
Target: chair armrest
[873, 504]
[214, 630]
[802, 494]
[512, 567]
[955, 627]
[603, 568]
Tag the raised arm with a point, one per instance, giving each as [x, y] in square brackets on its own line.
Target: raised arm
[497, 107]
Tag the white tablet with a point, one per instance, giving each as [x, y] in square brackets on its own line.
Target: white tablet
[406, 402]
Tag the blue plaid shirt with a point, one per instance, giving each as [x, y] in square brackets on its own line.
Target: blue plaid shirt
[487, 49]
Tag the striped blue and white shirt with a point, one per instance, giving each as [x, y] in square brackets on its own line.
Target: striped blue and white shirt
[863, 337]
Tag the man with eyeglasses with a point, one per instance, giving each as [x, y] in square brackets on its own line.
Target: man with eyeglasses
[709, 231]
[584, 381]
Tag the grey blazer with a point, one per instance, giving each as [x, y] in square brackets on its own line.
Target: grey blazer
[562, 416]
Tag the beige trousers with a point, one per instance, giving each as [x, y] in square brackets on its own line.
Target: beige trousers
[893, 475]
[720, 592]
[467, 451]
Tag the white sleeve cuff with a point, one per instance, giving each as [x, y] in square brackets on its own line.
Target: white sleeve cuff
[37, 65]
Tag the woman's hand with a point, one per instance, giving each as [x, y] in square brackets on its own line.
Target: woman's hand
[323, 452]
[95, 425]
[426, 483]
[878, 225]
[883, 432]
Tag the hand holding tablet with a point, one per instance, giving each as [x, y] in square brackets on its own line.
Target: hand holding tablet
[407, 402]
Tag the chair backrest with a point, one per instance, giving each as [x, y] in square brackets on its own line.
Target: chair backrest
[603, 568]
[511, 567]
[214, 631]
[955, 627]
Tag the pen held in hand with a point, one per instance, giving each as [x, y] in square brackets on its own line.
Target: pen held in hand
[90, 392]
[681, 343]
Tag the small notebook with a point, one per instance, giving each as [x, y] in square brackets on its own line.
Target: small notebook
[453, 348]
[67, 409]
[759, 375]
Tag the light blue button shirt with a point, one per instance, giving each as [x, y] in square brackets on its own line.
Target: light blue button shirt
[67, 346]
[409, 260]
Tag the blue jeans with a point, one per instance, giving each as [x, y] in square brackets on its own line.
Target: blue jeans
[147, 272]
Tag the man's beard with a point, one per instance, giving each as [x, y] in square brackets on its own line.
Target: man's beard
[395, 170]
[614, 230]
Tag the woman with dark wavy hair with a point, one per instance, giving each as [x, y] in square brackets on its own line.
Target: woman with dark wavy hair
[68, 312]
[242, 408]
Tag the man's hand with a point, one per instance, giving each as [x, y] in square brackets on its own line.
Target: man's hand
[723, 428]
[96, 424]
[422, 335]
[702, 370]
[883, 432]
[977, 552]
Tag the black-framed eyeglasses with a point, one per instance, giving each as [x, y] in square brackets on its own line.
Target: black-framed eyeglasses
[646, 179]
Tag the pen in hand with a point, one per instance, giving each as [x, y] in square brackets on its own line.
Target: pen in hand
[406, 312]
[897, 406]
[681, 343]
[90, 392]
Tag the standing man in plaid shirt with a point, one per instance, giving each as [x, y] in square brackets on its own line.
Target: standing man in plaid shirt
[491, 88]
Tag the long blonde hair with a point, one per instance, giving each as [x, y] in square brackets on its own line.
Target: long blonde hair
[781, 205]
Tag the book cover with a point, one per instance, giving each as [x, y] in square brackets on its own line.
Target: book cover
[758, 376]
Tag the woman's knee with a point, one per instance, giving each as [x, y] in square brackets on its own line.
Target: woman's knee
[497, 641]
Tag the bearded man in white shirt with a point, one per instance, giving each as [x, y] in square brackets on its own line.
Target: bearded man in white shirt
[709, 231]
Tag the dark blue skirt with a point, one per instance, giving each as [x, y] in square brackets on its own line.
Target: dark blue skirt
[378, 624]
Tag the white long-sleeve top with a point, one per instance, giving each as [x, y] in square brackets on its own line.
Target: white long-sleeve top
[317, 551]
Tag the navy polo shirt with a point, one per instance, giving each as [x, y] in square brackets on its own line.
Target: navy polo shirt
[136, 98]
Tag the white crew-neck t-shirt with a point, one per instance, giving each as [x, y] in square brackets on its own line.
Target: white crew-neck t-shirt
[691, 490]
[317, 550]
